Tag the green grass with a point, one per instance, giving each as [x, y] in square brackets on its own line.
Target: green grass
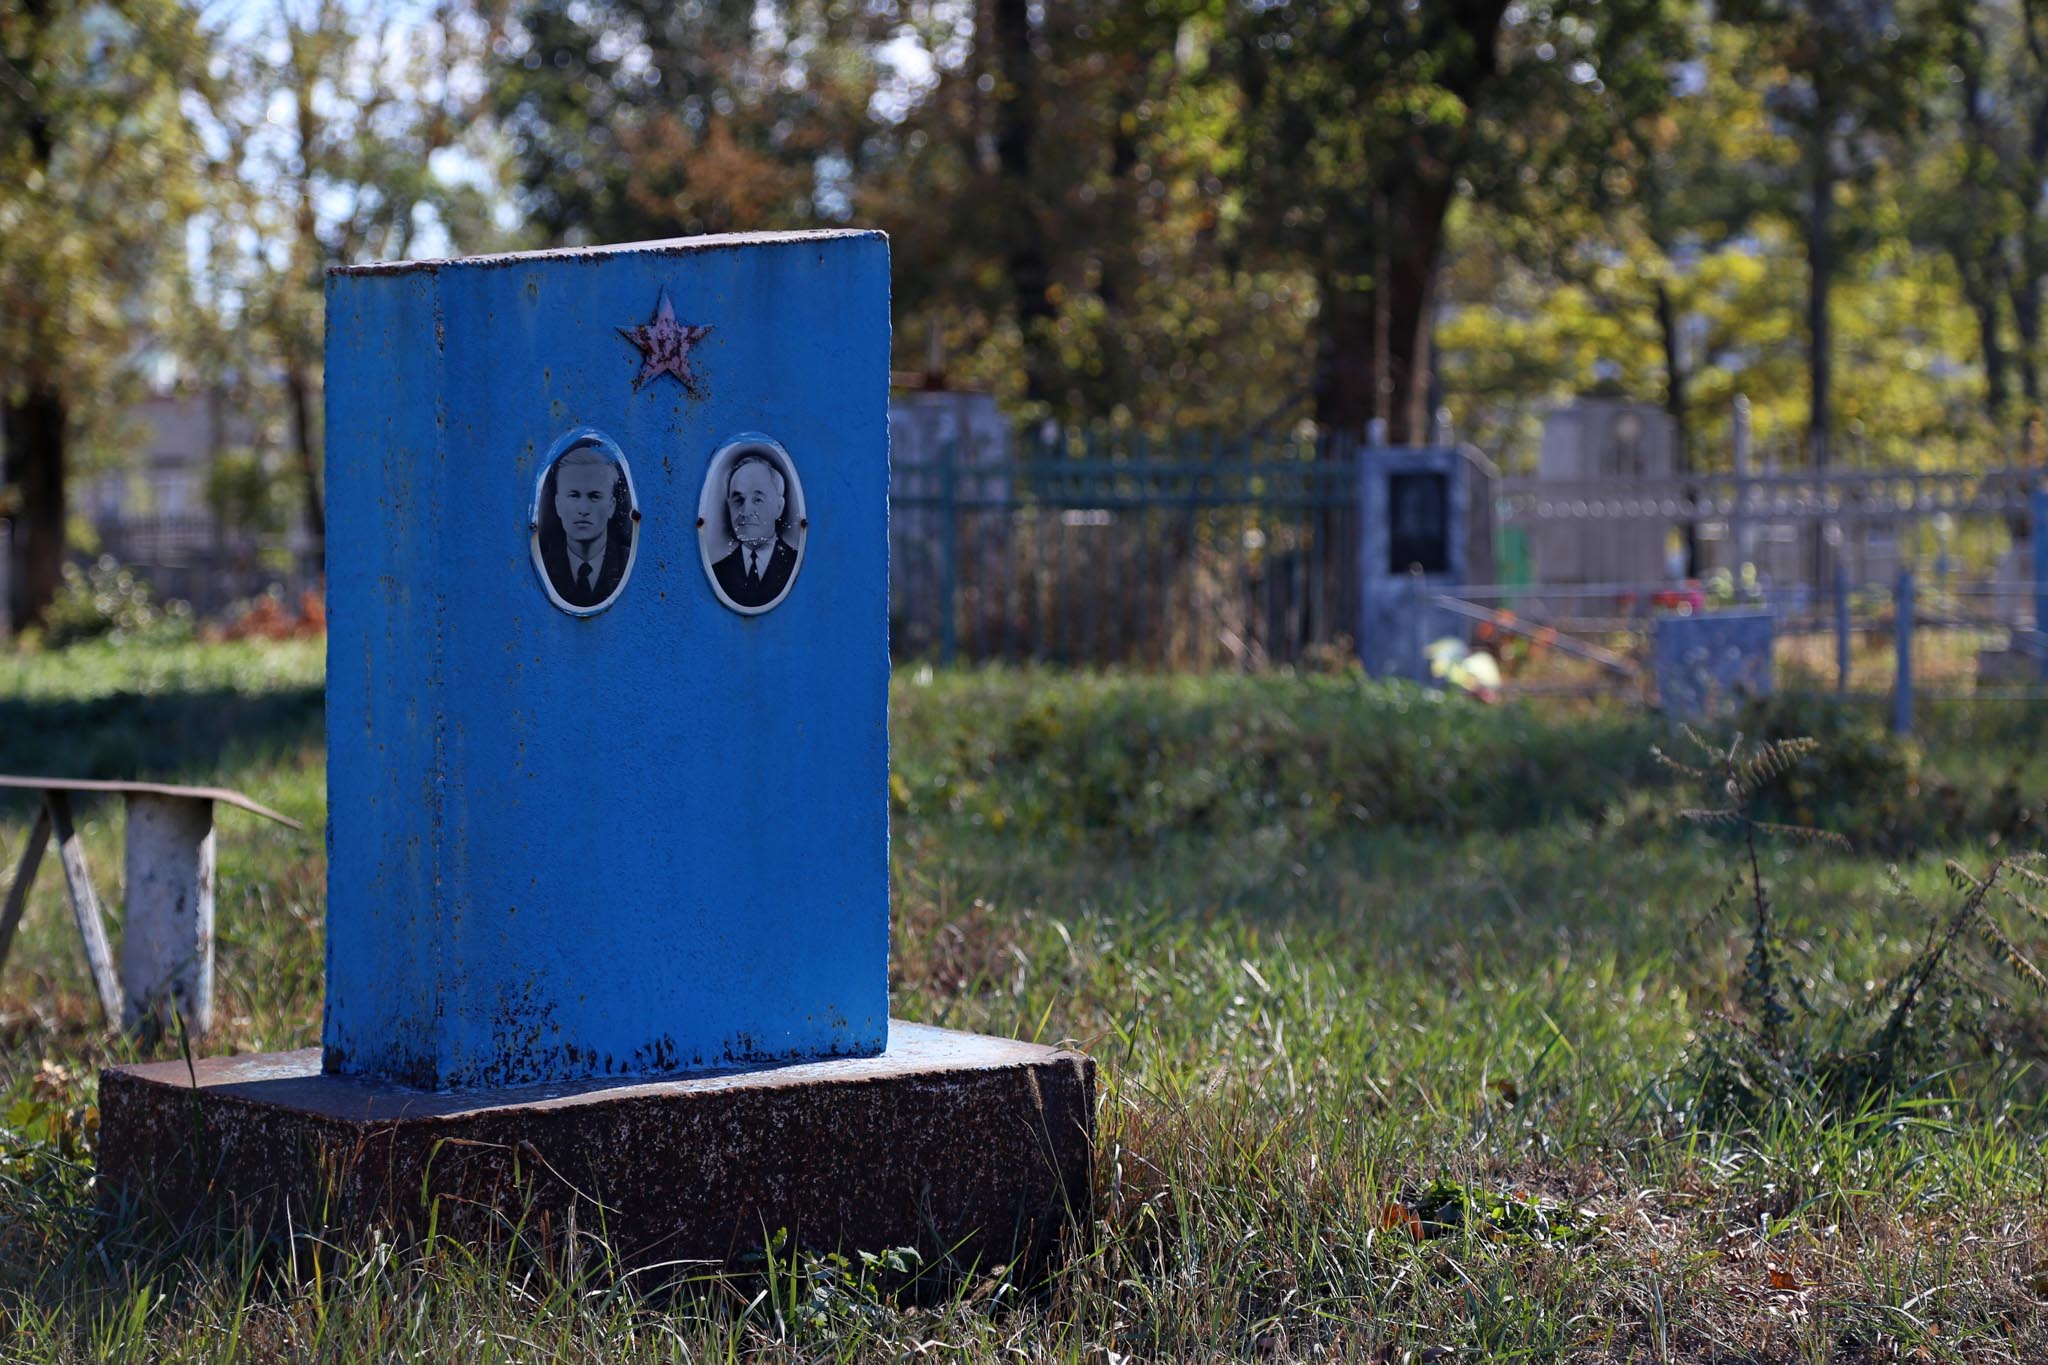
[1338, 948]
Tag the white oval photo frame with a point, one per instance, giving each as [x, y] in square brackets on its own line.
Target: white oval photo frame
[541, 515]
[715, 540]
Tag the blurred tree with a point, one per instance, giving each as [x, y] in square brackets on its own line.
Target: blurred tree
[96, 180]
[1847, 81]
[2023, 163]
[1693, 280]
[1053, 200]
[639, 119]
[1978, 195]
[339, 133]
[1963, 211]
[1361, 124]
[1617, 253]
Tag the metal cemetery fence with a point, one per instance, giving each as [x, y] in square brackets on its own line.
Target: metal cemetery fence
[211, 566]
[1948, 640]
[1207, 553]
[1100, 550]
[1938, 588]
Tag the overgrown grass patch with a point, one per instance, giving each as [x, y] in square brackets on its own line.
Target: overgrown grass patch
[1314, 1025]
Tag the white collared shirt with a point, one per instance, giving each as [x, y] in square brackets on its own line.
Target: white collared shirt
[596, 561]
[757, 557]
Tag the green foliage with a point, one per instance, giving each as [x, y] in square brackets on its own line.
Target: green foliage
[1291, 1035]
[1877, 789]
[1783, 1051]
[109, 600]
[1143, 758]
[245, 491]
[177, 713]
[1446, 1207]
[1310, 756]
[48, 1130]
[90, 134]
[638, 119]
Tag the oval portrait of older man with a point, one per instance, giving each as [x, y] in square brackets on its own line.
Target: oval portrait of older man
[751, 524]
[585, 523]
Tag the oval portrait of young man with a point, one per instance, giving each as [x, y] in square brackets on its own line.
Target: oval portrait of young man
[752, 524]
[585, 523]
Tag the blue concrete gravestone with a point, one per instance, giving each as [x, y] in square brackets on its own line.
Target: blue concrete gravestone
[608, 779]
[628, 837]
[1711, 662]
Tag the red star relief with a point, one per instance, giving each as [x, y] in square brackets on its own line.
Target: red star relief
[665, 347]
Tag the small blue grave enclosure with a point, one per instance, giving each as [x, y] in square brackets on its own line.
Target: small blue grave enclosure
[1712, 662]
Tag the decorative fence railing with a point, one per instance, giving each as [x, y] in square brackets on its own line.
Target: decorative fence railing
[1847, 495]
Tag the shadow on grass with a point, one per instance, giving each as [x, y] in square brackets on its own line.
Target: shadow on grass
[134, 736]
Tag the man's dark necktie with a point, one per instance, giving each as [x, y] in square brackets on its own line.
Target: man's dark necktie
[583, 578]
[753, 567]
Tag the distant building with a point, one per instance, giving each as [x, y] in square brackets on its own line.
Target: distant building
[182, 434]
[1588, 446]
[154, 515]
[924, 423]
[948, 448]
[1596, 448]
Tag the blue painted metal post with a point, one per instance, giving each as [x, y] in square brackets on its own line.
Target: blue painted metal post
[1902, 686]
[1418, 629]
[1361, 545]
[949, 549]
[1841, 629]
[627, 818]
[2041, 561]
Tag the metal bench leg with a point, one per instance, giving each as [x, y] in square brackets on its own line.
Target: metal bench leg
[24, 878]
[167, 940]
[85, 906]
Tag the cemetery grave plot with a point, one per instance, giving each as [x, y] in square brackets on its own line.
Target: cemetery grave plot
[607, 910]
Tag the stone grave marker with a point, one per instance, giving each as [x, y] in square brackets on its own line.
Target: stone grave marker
[608, 886]
[1413, 543]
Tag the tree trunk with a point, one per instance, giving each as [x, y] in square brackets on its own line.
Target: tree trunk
[1411, 319]
[35, 427]
[2026, 314]
[1977, 261]
[1983, 300]
[298, 387]
[1820, 278]
[1346, 353]
[1674, 374]
[1368, 339]
[32, 424]
[1675, 406]
[1017, 100]
[2026, 289]
[1117, 286]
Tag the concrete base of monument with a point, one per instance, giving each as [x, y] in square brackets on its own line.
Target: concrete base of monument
[975, 1150]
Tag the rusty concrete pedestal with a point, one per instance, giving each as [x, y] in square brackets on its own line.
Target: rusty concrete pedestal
[973, 1149]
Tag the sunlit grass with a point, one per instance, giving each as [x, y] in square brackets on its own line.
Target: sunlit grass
[1305, 1017]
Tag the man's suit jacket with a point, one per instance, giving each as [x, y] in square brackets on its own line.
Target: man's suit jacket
[732, 575]
[554, 554]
